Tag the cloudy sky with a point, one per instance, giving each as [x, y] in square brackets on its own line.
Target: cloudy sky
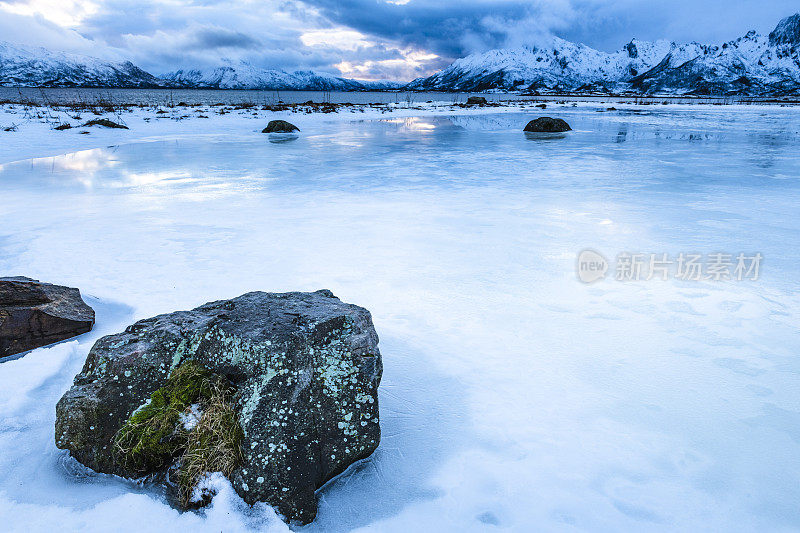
[367, 39]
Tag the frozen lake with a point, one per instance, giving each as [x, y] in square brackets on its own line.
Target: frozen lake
[147, 97]
[514, 396]
[166, 97]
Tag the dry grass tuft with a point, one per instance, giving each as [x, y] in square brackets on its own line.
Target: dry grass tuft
[214, 445]
[155, 435]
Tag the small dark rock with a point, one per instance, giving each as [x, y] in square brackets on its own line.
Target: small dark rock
[280, 126]
[105, 123]
[611, 109]
[64, 126]
[34, 314]
[541, 106]
[547, 125]
[476, 100]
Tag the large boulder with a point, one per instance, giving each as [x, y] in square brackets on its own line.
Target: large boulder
[547, 125]
[280, 126]
[34, 314]
[303, 368]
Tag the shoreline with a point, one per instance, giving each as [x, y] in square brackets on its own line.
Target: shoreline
[207, 96]
[29, 131]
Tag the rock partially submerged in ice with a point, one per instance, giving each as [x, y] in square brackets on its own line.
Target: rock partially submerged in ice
[280, 126]
[476, 100]
[305, 367]
[547, 125]
[34, 314]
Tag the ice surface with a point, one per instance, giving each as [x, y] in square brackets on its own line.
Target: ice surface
[514, 396]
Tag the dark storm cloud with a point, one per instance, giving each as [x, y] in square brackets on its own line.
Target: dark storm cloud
[607, 25]
[453, 29]
[213, 38]
[162, 35]
[445, 28]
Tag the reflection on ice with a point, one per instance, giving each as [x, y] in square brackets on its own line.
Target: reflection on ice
[421, 124]
[167, 177]
[536, 136]
[278, 138]
[513, 394]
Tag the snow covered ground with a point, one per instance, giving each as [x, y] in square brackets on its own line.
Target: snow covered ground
[33, 135]
[514, 397]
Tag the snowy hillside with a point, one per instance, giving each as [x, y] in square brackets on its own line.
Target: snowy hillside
[22, 66]
[242, 75]
[753, 64]
[555, 64]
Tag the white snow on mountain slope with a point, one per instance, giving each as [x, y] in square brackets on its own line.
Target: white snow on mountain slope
[787, 32]
[242, 75]
[22, 66]
[753, 64]
[553, 64]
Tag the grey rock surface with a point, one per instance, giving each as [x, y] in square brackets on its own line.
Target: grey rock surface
[280, 126]
[306, 368]
[547, 125]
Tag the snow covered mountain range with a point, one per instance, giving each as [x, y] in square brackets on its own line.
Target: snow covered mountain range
[22, 66]
[755, 64]
[751, 65]
[241, 75]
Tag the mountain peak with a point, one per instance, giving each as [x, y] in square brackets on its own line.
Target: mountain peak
[24, 66]
[231, 74]
[787, 32]
[633, 50]
[749, 65]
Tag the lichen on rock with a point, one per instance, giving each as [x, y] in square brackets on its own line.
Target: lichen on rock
[301, 373]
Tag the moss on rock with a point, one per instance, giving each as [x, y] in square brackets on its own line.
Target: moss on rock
[156, 434]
